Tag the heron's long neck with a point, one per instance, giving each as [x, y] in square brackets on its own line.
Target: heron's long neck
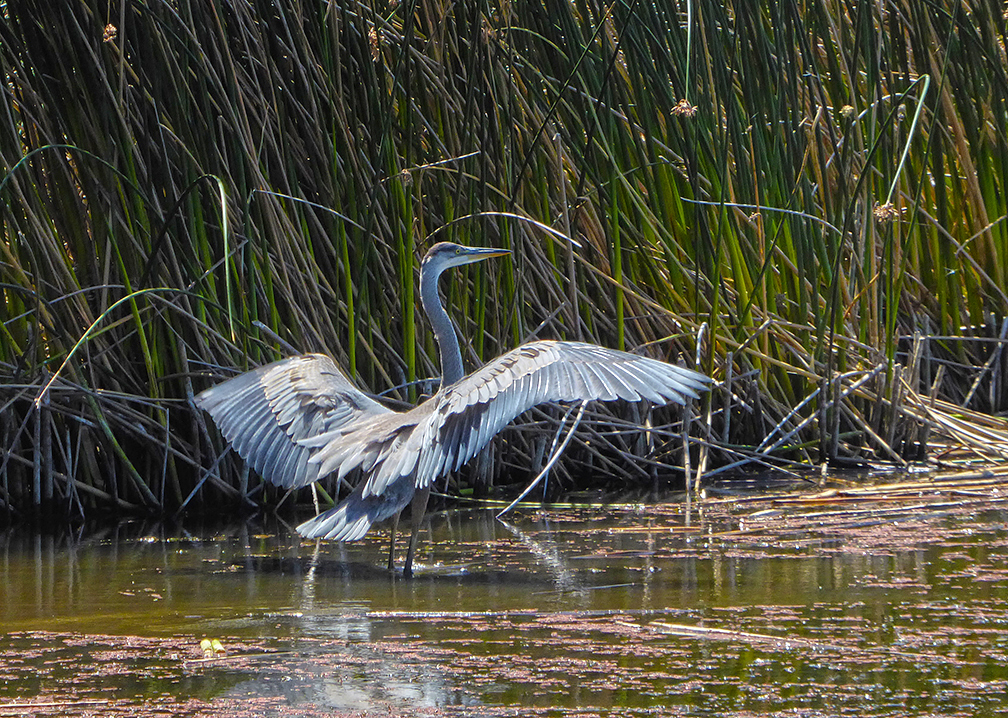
[451, 355]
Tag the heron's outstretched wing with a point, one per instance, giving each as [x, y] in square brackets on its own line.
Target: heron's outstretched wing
[268, 414]
[460, 420]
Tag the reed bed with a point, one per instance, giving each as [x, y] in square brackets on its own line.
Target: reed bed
[811, 198]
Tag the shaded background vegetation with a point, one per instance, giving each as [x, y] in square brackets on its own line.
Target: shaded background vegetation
[205, 182]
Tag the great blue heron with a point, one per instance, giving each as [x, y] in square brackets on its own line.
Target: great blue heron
[300, 419]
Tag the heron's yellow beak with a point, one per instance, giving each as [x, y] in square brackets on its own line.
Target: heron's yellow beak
[478, 254]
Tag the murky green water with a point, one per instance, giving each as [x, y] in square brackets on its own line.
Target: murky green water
[877, 607]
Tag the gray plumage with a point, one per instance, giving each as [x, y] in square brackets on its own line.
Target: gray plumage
[300, 419]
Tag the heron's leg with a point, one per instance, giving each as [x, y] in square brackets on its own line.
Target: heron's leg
[391, 548]
[417, 511]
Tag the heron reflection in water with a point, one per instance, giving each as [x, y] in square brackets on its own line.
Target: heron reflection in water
[300, 419]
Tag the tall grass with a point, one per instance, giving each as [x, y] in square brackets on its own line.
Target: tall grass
[208, 184]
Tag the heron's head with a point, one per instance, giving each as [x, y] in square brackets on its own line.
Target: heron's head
[448, 254]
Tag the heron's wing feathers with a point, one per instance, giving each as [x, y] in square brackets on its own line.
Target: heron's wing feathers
[458, 422]
[271, 414]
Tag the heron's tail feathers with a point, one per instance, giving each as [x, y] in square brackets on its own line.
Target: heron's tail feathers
[342, 523]
[353, 517]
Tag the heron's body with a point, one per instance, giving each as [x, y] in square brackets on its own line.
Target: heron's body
[300, 419]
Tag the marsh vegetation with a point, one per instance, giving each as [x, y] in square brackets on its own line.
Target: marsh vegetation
[810, 198]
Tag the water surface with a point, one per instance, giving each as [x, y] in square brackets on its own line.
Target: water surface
[812, 604]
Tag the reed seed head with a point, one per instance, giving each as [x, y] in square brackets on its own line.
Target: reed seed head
[885, 212]
[683, 108]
